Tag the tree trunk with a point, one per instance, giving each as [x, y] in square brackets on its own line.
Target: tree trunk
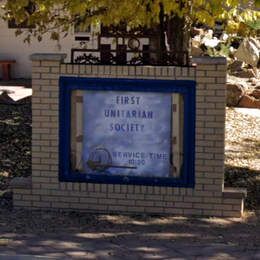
[178, 36]
[157, 40]
[173, 35]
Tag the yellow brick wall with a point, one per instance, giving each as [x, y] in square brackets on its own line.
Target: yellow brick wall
[205, 199]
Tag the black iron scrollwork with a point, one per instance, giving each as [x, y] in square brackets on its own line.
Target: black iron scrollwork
[87, 59]
[135, 57]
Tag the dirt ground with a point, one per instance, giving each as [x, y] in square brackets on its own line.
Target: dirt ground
[60, 235]
[242, 148]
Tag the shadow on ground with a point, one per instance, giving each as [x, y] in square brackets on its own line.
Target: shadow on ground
[15, 142]
[15, 138]
[243, 177]
[245, 149]
[66, 235]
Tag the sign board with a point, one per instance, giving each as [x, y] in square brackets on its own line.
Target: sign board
[121, 131]
[127, 133]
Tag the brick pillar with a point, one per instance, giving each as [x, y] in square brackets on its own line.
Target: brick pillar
[210, 123]
[45, 123]
[210, 138]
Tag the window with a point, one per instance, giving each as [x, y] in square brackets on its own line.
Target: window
[127, 131]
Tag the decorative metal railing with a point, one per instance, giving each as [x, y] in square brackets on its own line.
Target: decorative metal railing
[128, 57]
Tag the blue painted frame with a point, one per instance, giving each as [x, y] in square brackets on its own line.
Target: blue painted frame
[185, 87]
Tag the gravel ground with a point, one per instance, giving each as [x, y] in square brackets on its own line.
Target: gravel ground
[242, 146]
[242, 151]
[15, 142]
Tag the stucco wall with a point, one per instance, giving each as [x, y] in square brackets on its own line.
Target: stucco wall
[12, 47]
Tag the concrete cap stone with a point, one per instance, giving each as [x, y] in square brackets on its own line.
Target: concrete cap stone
[48, 57]
[21, 182]
[234, 193]
[209, 60]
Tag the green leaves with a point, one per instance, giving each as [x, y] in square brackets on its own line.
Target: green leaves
[61, 15]
[55, 36]
[257, 3]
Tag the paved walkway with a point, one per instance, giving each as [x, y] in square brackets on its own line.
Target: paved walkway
[15, 91]
[57, 235]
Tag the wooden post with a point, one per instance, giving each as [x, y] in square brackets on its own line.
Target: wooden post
[79, 130]
[177, 128]
[6, 69]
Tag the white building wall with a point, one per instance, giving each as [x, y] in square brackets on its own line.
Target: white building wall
[12, 47]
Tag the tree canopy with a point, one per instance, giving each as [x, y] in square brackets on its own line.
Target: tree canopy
[57, 16]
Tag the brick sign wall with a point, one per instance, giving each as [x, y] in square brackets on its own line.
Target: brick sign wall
[208, 197]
